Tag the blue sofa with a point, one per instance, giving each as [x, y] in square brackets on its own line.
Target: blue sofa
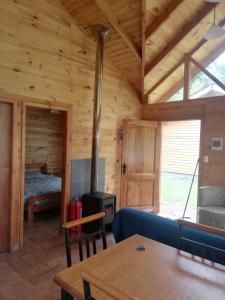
[129, 221]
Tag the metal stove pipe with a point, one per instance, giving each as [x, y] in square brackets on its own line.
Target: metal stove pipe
[101, 33]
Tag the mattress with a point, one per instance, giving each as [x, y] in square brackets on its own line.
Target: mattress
[37, 183]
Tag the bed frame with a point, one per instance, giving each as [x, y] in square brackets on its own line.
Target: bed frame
[30, 206]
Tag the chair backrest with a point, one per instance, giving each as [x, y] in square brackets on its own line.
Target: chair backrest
[84, 237]
[211, 195]
[113, 292]
[183, 223]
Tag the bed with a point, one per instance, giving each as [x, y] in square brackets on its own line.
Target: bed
[42, 190]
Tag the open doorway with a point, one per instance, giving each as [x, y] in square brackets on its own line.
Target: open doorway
[179, 157]
[44, 168]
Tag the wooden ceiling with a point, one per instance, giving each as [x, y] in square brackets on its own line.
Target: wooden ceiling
[150, 38]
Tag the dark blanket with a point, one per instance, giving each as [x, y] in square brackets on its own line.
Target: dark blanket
[37, 183]
[128, 222]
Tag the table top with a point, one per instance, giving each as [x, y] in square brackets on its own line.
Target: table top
[159, 272]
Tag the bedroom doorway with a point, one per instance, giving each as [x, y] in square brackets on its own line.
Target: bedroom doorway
[45, 165]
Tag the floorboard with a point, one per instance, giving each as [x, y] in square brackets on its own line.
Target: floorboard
[27, 274]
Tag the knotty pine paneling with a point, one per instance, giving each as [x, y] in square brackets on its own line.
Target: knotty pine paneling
[44, 55]
[44, 138]
[211, 111]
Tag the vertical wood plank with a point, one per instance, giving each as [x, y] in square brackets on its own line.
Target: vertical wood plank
[143, 39]
[5, 174]
[123, 189]
[16, 212]
[158, 151]
[67, 123]
[186, 78]
[22, 168]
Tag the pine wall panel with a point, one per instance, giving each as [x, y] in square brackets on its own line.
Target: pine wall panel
[211, 112]
[44, 55]
[44, 138]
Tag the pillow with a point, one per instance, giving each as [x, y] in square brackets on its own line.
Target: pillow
[33, 174]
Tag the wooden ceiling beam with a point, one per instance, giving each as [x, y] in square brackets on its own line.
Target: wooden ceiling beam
[180, 36]
[143, 26]
[207, 73]
[161, 80]
[106, 10]
[194, 71]
[195, 49]
[162, 18]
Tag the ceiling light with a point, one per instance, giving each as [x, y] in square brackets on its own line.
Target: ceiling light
[215, 31]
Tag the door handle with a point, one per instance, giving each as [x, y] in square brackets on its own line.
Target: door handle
[124, 168]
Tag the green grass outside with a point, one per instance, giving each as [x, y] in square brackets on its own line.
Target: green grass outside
[175, 187]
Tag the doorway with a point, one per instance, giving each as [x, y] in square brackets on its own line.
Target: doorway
[179, 157]
[45, 164]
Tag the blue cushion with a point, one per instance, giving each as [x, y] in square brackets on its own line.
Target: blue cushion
[128, 222]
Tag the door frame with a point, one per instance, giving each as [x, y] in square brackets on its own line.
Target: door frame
[14, 205]
[19, 104]
[66, 172]
[11, 168]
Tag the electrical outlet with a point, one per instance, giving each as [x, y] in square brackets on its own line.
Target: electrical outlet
[206, 159]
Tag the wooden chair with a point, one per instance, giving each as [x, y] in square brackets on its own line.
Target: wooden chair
[114, 293]
[84, 237]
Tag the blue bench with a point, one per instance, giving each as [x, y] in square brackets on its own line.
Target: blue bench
[128, 222]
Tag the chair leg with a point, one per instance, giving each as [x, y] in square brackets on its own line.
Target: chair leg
[80, 250]
[87, 247]
[65, 295]
[87, 291]
[94, 244]
[104, 240]
[68, 250]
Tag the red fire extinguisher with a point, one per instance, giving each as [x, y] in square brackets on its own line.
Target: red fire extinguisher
[75, 209]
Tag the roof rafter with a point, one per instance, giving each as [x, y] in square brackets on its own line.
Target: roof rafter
[179, 37]
[143, 26]
[195, 49]
[195, 71]
[210, 75]
[162, 18]
[161, 80]
[106, 10]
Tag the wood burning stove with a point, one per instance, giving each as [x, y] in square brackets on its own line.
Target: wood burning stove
[96, 202]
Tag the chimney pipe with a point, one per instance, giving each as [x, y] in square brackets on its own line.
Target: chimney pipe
[101, 33]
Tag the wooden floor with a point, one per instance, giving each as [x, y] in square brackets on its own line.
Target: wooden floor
[28, 273]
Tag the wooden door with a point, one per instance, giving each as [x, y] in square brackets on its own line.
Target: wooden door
[141, 164]
[5, 171]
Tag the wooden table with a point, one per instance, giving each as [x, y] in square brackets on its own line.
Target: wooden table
[159, 272]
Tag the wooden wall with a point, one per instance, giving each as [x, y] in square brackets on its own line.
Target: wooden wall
[44, 138]
[46, 57]
[212, 113]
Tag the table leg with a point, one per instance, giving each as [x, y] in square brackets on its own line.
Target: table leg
[65, 295]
